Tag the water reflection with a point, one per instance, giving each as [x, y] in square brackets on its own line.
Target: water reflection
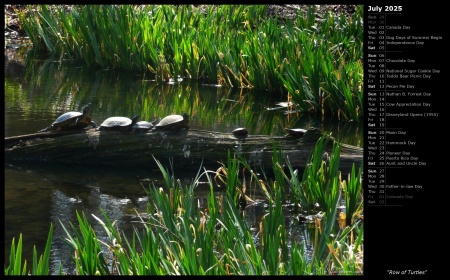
[65, 207]
[49, 89]
[39, 194]
[27, 208]
[36, 196]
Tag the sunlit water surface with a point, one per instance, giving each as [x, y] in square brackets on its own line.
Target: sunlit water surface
[38, 194]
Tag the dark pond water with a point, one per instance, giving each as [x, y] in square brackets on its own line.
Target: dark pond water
[38, 194]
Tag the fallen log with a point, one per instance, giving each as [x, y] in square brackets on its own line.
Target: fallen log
[184, 148]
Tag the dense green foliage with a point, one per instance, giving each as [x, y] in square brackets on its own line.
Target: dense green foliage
[176, 237]
[317, 62]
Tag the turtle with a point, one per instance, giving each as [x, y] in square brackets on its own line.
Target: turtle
[296, 132]
[240, 132]
[173, 122]
[142, 126]
[72, 120]
[118, 123]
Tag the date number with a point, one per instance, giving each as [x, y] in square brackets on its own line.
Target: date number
[393, 8]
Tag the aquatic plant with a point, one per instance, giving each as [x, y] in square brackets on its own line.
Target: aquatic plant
[178, 237]
[317, 63]
[40, 266]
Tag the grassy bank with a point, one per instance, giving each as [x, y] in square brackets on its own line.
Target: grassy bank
[316, 62]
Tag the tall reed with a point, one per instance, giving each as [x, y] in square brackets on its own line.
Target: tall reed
[319, 63]
[179, 237]
[40, 266]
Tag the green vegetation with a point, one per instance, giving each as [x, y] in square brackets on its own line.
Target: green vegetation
[40, 267]
[176, 237]
[317, 63]
[59, 87]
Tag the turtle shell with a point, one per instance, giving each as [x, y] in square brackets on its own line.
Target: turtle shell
[240, 132]
[296, 132]
[174, 122]
[118, 123]
[67, 118]
[143, 125]
[72, 120]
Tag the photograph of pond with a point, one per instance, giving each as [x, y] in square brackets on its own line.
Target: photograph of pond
[184, 140]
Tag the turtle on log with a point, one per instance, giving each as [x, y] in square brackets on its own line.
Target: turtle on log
[174, 122]
[118, 123]
[143, 126]
[72, 120]
[296, 132]
[240, 132]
